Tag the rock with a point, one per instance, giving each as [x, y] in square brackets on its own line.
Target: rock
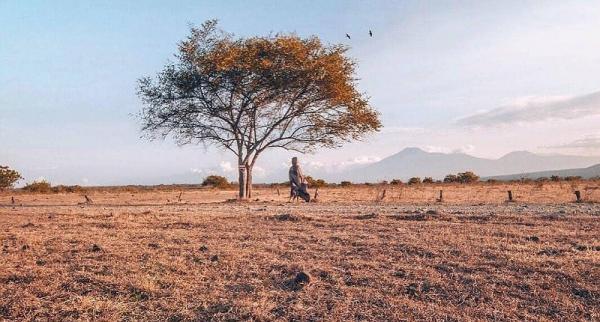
[96, 248]
[287, 217]
[301, 279]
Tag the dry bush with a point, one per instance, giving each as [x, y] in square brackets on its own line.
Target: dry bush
[41, 186]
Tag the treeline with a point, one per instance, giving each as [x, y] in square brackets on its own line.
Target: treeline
[8, 177]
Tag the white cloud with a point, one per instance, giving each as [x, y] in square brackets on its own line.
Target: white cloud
[226, 166]
[536, 109]
[469, 148]
[590, 142]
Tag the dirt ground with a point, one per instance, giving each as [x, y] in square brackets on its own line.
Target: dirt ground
[152, 255]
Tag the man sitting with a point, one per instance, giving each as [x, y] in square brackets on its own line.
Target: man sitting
[299, 187]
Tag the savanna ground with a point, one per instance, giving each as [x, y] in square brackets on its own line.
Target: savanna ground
[147, 255]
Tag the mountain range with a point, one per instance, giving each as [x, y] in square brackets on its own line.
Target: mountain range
[415, 162]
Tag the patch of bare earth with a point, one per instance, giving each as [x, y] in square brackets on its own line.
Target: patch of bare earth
[280, 261]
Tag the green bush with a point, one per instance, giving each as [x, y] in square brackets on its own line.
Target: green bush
[414, 180]
[8, 177]
[41, 186]
[451, 178]
[428, 180]
[345, 183]
[467, 177]
[216, 182]
[462, 177]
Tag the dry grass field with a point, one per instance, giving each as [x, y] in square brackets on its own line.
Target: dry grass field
[146, 255]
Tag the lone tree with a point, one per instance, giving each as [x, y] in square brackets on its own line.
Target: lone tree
[247, 95]
[8, 177]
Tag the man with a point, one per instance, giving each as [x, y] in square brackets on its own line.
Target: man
[298, 183]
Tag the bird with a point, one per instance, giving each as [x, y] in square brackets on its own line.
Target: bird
[370, 33]
[348, 36]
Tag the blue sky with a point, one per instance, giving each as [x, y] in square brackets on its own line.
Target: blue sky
[485, 78]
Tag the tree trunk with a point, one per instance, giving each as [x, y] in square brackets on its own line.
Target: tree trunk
[249, 181]
[242, 181]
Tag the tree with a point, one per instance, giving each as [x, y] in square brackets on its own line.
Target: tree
[8, 177]
[247, 95]
[467, 177]
[428, 180]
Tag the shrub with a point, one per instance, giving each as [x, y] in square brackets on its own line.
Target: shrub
[492, 181]
[41, 186]
[467, 177]
[8, 177]
[414, 180]
[396, 182]
[542, 179]
[572, 178]
[428, 180]
[462, 177]
[318, 183]
[216, 182]
[451, 178]
[555, 178]
[345, 183]
[67, 189]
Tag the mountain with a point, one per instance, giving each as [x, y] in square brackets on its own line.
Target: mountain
[414, 162]
[586, 173]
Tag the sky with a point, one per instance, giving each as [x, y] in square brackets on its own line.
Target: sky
[479, 77]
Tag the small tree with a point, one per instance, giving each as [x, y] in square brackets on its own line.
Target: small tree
[467, 177]
[345, 183]
[414, 180]
[428, 180]
[215, 181]
[8, 177]
[246, 95]
[396, 182]
[451, 178]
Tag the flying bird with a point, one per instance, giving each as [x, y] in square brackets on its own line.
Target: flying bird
[370, 33]
[348, 36]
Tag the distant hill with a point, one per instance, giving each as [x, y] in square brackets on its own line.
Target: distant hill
[586, 173]
[414, 162]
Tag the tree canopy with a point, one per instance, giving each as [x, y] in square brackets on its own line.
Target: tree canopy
[246, 95]
[8, 177]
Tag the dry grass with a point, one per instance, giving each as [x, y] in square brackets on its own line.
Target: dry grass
[135, 257]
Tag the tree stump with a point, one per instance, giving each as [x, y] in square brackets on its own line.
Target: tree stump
[578, 196]
[441, 198]
[510, 196]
